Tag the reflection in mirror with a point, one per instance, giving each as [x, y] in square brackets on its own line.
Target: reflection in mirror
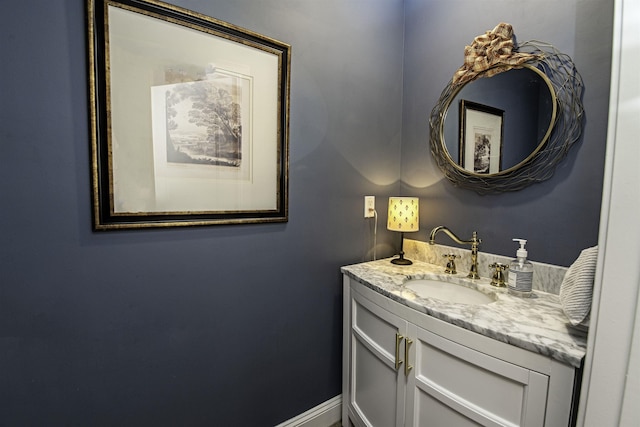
[527, 99]
[537, 103]
[481, 134]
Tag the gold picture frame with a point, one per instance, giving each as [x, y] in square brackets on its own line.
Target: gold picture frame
[189, 118]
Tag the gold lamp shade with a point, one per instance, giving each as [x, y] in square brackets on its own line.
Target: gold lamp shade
[403, 216]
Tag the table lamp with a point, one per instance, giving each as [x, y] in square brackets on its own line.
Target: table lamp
[403, 217]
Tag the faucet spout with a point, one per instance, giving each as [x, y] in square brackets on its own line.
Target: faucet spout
[474, 242]
[445, 230]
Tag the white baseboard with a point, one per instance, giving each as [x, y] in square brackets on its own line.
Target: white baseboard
[323, 415]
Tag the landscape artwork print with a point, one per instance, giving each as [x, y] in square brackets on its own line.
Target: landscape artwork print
[203, 121]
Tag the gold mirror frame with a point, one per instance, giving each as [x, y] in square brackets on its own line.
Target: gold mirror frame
[566, 88]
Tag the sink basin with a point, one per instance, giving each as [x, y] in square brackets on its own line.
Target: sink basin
[446, 291]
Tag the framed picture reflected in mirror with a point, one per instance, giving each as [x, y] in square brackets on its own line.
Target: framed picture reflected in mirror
[481, 137]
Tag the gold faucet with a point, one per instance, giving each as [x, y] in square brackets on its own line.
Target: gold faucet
[474, 242]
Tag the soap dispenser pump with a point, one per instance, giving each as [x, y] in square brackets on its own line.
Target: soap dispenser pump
[520, 272]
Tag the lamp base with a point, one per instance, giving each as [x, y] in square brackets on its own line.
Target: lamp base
[402, 260]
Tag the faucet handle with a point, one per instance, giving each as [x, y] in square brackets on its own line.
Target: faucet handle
[498, 275]
[451, 265]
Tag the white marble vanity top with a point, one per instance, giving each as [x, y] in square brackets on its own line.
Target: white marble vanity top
[537, 324]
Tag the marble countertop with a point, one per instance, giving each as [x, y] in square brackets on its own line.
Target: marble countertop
[537, 324]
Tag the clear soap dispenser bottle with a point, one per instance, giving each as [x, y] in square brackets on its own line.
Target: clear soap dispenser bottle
[520, 273]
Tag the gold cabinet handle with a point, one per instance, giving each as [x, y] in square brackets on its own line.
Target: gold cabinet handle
[407, 367]
[398, 340]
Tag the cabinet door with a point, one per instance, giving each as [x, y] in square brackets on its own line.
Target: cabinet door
[454, 385]
[376, 378]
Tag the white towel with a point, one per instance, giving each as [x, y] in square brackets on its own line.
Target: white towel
[576, 291]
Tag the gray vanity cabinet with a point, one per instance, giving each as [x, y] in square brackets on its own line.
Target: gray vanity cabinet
[404, 368]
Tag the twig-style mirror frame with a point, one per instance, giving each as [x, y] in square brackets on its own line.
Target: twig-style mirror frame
[154, 68]
[566, 87]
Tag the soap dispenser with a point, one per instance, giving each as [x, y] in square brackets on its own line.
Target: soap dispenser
[520, 272]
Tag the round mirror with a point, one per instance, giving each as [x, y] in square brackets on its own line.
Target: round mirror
[505, 132]
[494, 124]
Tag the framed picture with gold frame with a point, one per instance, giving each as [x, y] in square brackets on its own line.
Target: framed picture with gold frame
[481, 130]
[189, 118]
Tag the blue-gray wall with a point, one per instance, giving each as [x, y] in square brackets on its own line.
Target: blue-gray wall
[559, 217]
[241, 325]
[229, 325]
